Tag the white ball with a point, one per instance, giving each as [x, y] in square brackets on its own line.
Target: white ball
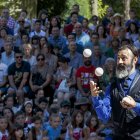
[87, 52]
[126, 99]
[99, 71]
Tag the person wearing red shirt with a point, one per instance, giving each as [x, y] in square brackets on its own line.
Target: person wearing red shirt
[68, 29]
[84, 75]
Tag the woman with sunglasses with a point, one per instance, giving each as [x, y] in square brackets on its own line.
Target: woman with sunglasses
[41, 77]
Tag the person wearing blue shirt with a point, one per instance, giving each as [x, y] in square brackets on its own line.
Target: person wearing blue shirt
[125, 113]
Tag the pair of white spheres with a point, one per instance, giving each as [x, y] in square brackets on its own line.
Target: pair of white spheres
[98, 71]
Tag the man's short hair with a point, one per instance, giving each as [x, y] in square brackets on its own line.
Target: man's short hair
[38, 21]
[73, 13]
[18, 51]
[133, 49]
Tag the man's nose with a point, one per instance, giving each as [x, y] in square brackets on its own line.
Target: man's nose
[120, 61]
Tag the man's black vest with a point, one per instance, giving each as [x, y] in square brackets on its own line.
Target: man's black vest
[124, 118]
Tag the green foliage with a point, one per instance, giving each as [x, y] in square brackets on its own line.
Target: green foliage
[136, 5]
[54, 7]
[63, 7]
[85, 8]
[102, 8]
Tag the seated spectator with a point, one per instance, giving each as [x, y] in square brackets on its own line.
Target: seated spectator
[81, 37]
[7, 57]
[18, 74]
[3, 24]
[5, 130]
[19, 118]
[44, 105]
[36, 131]
[85, 26]
[75, 8]
[41, 76]
[68, 29]
[56, 40]
[76, 59]
[117, 23]
[53, 129]
[9, 115]
[51, 59]
[3, 78]
[55, 22]
[27, 50]
[10, 21]
[109, 73]
[3, 37]
[64, 72]
[106, 21]
[104, 38]
[132, 33]
[84, 75]
[121, 34]
[43, 17]
[133, 18]
[72, 38]
[76, 128]
[41, 48]
[9, 101]
[94, 23]
[35, 43]
[115, 44]
[83, 104]
[20, 25]
[24, 39]
[37, 30]
[98, 58]
[17, 133]
[24, 14]
[28, 110]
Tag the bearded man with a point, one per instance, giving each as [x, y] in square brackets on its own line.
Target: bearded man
[125, 113]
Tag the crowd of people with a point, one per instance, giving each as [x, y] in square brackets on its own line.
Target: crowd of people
[45, 78]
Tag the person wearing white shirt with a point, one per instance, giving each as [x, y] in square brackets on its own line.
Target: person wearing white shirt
[3, 77]
[37, 30]
[7, 57]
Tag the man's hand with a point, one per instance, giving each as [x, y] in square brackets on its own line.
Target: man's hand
[128, 104]
[94, 89]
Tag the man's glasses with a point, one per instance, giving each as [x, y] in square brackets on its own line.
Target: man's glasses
[19, 56]
[40, 59]
[21, 21]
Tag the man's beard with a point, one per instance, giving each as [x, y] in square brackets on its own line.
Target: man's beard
[123, 71]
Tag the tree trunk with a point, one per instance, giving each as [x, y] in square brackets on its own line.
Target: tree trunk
[127, 8]
[94, 7]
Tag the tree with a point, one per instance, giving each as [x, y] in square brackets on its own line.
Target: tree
[94, 7]
[127, 8]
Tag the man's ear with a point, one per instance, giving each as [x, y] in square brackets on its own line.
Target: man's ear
[135, 59]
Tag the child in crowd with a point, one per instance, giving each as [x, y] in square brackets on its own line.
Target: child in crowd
[9, 115]
[36, 132]
[65, 115]
[17, 133]
[38, 112]
[28, 110]
[93, 124]
[83, 104]
[53, 129]
[43, 104]
[76, 129]
[4, 129]
[38, 94]
[19, 119]
[9, 102]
